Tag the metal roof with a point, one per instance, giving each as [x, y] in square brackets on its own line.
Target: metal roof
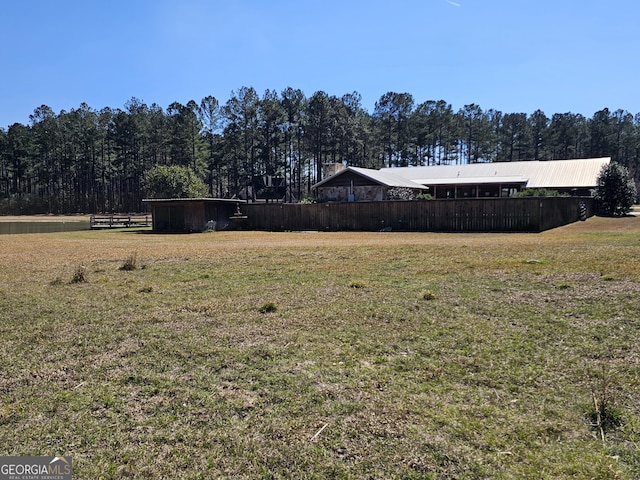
[200, 199]
[577, 173]
[473, 180]
[387, 178]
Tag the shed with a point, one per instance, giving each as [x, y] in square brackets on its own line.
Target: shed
[179, 215]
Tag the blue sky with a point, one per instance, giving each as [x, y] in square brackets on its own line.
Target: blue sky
[513, 56]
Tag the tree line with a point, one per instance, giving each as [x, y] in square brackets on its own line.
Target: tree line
[87, 160]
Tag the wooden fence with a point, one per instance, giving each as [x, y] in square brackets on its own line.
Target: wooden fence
[530, 214]
[120, 221]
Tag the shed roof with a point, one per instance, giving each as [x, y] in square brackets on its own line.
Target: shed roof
[577, 173]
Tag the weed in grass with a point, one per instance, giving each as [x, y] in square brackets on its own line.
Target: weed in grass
[269, 307]
[357, 284]
[428, 295]
[603, 416]
[146, 290]
[608, 278]
[564, 286]
[80, 275]
[130, 263]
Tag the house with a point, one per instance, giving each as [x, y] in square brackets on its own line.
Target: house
[577, 177]
[351, 184]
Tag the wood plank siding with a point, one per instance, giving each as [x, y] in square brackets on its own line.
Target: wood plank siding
[529, 214]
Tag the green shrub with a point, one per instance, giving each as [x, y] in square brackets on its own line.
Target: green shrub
[538, 192]
[424, 196]
[616, 191]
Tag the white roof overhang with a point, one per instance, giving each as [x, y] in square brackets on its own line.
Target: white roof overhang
[473, 180]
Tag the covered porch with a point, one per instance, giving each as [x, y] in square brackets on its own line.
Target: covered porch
[487, 187]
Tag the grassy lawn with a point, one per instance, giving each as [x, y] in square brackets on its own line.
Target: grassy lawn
[325, 355]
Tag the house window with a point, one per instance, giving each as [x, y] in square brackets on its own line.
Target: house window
[508, 191]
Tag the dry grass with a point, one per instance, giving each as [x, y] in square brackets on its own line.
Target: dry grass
[173, 371]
